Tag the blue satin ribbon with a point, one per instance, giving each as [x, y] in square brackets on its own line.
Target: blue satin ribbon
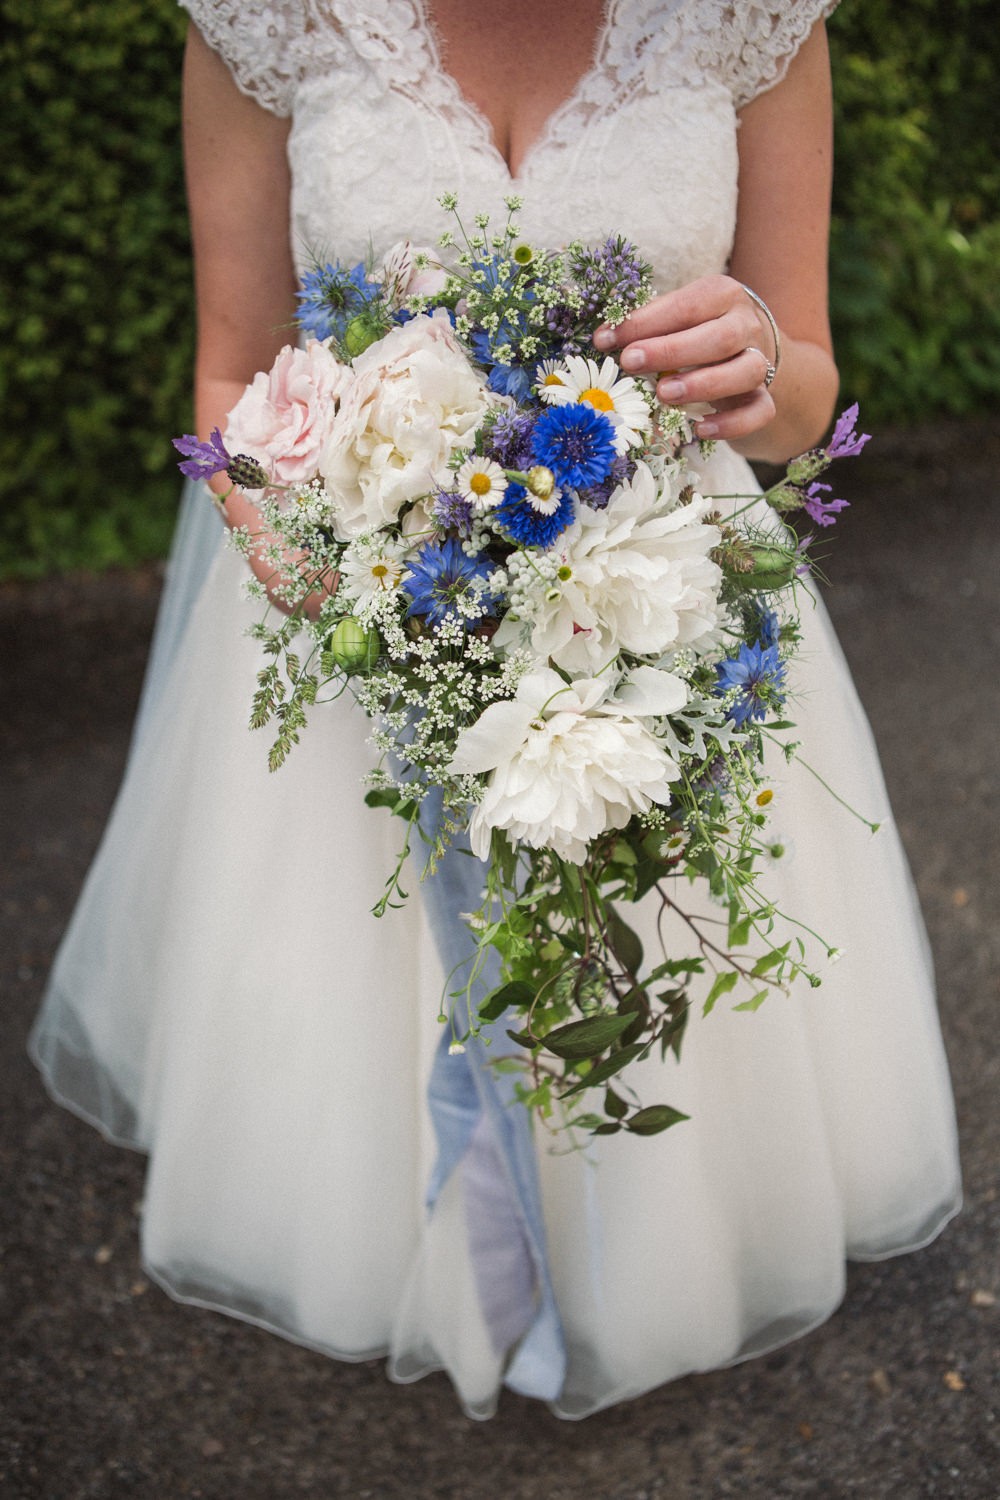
[483, 1132]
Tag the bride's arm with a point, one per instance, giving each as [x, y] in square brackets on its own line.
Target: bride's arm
[780, 250]
[238, 194]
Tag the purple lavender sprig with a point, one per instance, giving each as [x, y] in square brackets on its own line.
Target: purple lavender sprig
[202, 459]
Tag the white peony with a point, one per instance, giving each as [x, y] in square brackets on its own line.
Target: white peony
[635, 577]
[569, 761]
[414, 399]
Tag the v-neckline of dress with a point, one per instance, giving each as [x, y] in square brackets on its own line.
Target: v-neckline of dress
[480, 122]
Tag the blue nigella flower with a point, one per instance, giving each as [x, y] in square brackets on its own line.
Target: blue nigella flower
[768, 626]
[506, 380]
[577, 443]
[331, 296]
[202, 459]
[758, 673]
[523, 523]
[441, 575]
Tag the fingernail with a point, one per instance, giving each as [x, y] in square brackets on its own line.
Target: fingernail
[604, 338]
[707, 429]
[671, 390]
[633, 359]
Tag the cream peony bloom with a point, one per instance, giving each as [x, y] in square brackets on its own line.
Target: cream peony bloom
[284, 417]
[414, 399]
[569, 761]
[635, 576]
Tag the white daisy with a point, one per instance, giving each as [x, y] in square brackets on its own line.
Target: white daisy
[606, 389]
[550, 372]
[371, 567]
[482, 482]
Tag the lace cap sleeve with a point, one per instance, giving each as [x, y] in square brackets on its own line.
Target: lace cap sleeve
[258, 41]
[759, 38]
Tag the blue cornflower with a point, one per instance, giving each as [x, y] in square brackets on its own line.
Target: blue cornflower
[441, 575]
[523, 523]
[577, 443]
[759, 675]
[331, 296]
[202, 459]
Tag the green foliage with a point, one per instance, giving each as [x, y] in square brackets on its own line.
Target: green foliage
[916, 234]
[94, 319]
[95, 315]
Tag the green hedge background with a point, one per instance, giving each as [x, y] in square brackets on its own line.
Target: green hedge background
[95, 321]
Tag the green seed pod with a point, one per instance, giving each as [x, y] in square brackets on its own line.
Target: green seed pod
[773, 568]
[353, 646]
[359, 333]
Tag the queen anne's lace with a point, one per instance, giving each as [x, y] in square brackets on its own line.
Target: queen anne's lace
[381, 128]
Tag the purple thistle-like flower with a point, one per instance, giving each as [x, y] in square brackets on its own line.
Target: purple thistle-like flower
[523, 523]
[845, 442]
[823, 512]
[452, 511]
[576, 442]
[613, 271]
[509, 442]
[758, 674]
[202, 460]
[598, 495]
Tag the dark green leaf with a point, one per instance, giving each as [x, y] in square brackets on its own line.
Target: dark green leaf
[582, 1039]
[624, 942]
[614, 1106]
[607, 1068]
[654, 1118]
[516, 993]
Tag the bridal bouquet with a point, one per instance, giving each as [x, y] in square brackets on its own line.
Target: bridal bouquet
[571, 657]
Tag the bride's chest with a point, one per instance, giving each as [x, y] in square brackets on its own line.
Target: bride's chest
[649, 153]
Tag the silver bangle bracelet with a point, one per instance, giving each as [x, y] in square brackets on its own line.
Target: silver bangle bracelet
[769, 315]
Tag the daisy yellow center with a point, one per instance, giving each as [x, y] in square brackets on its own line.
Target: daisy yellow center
[380, 571]
[598, 399]
[480, 484]
[552, 379]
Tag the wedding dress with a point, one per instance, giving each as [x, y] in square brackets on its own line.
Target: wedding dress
[225, 1001]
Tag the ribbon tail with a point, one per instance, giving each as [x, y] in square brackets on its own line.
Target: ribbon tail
[483, 1132]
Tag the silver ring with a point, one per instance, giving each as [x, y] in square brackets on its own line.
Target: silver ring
[769, 370]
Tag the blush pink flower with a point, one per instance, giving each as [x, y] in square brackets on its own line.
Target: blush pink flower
[284, 417]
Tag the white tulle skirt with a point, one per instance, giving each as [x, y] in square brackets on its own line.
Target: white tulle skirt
[224, 1000]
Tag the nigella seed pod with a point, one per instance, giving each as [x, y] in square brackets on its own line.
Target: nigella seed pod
[354, 647]
[773, 568]
[541, 481]
[360, 332]
[247, 472]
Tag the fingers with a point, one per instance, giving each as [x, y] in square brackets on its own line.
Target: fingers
[704, 342]
[738, 417]
[734, 377]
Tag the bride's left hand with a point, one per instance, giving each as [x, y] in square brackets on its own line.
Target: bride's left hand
[707, 342]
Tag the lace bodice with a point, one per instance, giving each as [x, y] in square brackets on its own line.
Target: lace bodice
[645, 145]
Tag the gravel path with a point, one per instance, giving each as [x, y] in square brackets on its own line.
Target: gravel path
[111, 1390]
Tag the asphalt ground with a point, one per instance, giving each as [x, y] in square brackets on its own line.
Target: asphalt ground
[111, 1390]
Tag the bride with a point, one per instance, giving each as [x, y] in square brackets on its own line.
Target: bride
[204, 1004]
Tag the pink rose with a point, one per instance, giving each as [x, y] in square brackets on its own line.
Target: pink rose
[283, 419]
